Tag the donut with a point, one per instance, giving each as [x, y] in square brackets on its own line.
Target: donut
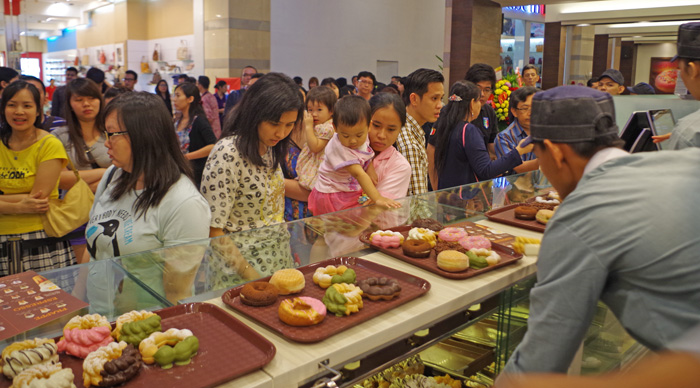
[325, 276]
[526, 245]
[452, 261]
[85, 334]
[423, 234]
[111, 365]
[416, 248]
[134, 326]
[131, 316]
[471, 242]
[288, 281]
[525, 212]
[543, 216]
[547, 200]
[380, 288]
[481, 258]
[45, 375]
[452, 234]
[25, 354]
[427, 223]
[386, 239]
[343, 299]
[258, 294]
[302, 311]
[448, 246]
[151, 345]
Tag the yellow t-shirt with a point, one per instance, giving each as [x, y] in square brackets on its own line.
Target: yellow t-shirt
[17, 177]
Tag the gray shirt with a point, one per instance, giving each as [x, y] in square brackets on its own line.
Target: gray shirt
[627, 235]
[97, 150]
[686, 133]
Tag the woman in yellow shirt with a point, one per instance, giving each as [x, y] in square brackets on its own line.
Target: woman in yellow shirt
[31, 161]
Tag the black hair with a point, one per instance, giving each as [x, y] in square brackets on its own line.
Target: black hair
[95, 74]
[220, 84]
[265, 101]
[529, 67]
[328, 81]
[590, 82]
[342, 81]
[7, 74]
[7, 94]
[453, 113]
[115, 91]
[390, 88]
[378, 87]
[183, 77]
[82, 87]
[367, 74]
[192, 80]
[479, 72]
[322, 94]
[521, 94]
[297, 80]
[191, 90]
[131, 72]
[33, 78]
[351, 110]
[73, 69]
[397, 77]
[204, 81]
[257, 75]
[155, 150]
[346, 91]
[418, 81]
[383, 100]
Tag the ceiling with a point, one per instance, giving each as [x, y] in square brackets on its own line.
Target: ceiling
[44, 18]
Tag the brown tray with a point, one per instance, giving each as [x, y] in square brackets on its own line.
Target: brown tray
[506, 215]
[227, 349]
[411, 288]
[508, 255]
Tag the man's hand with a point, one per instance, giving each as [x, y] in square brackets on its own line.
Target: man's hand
[660, 138]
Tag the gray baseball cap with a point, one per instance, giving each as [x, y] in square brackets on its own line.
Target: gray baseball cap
[614, 75]
[688, 45]
[572, 114]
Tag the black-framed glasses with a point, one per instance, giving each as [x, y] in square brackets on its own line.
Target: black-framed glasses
[524, 109]
[110, 134]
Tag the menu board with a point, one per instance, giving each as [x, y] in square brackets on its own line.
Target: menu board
[29, 300]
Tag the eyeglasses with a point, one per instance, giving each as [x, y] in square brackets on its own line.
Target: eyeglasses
[129, 79]
[524, 109]
[110, 134]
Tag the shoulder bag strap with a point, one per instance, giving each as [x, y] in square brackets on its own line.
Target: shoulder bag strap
[464, 144]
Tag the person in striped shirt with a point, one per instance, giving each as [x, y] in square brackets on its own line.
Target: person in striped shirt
[508, 139]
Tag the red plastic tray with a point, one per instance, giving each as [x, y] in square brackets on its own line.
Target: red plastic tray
[508, 255]
[506, 215]
[227, 349]
[411, 287]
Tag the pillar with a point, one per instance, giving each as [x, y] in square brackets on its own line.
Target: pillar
[581, 59]
[627, 61]
[552, 57]
[600, 54]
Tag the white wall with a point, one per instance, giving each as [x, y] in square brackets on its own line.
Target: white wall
[305, 36]
[644, 54]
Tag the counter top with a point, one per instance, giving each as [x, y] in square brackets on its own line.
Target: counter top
[295, 363]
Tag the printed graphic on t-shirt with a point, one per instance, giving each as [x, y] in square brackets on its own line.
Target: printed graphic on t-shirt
[105, 229]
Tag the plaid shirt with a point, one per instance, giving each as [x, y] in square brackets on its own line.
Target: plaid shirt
[411, 144]
[507, 140]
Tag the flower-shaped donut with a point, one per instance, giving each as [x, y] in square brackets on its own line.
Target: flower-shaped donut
[386, 239]
[157, 340]
[325, 276]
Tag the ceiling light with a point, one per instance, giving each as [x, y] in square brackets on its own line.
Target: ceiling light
[650, 24]
[621, 5]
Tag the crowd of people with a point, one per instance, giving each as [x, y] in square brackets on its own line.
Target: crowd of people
[171, 168]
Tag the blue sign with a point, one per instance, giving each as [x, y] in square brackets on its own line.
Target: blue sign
[535, 9]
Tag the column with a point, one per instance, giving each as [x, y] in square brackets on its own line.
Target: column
[552, 58]
[627, 61]
[581, 59]
[600, 54]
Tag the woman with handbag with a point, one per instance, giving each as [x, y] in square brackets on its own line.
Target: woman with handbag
[84, 140]
[32, 161]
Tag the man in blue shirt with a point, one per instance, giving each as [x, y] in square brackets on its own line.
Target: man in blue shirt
[506, 141]
[626, 233]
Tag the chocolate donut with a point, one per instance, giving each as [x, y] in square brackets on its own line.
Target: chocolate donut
[416, 248]
[379, 288]
[525, 212]
[121, 369]
[258, 294]
[449, 246]
[427, 223]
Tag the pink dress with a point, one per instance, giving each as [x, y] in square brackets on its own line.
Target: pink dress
[335, 188]
[393, 173]
[309, 162]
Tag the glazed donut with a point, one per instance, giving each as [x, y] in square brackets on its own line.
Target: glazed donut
[386, 239]
[427, 223]
[452, 261]
[134, 326]
[525, 212]
[380, 288]
[302, 311]
[45, 376]
[423, 234]
[543, 216]
[87, 322]
[452, 234]
[416, 248]
[26, 354]
[491, 257]
[288, 281]
[83, 335]
[258, 294]
[471, 242]
[325, 276]
[157, 340]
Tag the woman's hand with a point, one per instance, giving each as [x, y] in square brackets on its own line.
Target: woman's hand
[660, 138]
[524, 150]
[33, 204]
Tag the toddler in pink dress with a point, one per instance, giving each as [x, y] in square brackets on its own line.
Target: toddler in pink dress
[317, 134]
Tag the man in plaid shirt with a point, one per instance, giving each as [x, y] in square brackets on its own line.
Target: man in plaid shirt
[423, 93]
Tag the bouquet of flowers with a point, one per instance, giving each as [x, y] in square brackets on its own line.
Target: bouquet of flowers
[501, 95]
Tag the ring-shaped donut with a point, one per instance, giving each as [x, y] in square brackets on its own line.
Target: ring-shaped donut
[259, 294]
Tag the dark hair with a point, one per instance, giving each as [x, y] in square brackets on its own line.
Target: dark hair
[82, 87]
[346, 91]
[586, 149]
[481, 72]
[115, 91]
[351, 110]
[453, 113]
[297, 80]
[95, 74]
[7, 74]
[204, 81]
[367, 74]
[521, 94]
[529, 67]
[167, 89]
[391, 88]
[73, 69]
[7, 94]
[342, 81]
[398, 77]
[155, 150]
[418, 81]
[264, 101]
[328, 81]
[192, 80]
[183, 77]
[191, 90]
[257, 75]
[220, 84]
[33, 78]
[322, 94]
[379, 86]
[249, 67]
[590, 82]
[131, 72]
[383, 100]
[313, 79]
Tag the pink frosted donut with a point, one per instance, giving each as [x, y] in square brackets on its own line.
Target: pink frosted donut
[452, 234]
[386, 239]
[81, 342]
[315, 304]
[471, 242]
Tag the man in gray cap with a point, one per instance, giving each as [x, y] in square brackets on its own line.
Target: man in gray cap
[625, 233]
[612, 81]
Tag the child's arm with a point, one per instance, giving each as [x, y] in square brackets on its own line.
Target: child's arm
[365, 181]
[315, 144]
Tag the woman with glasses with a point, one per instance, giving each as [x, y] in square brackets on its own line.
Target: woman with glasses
[31, 160]
[163, 91]
[84, 140]
[461, 143]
